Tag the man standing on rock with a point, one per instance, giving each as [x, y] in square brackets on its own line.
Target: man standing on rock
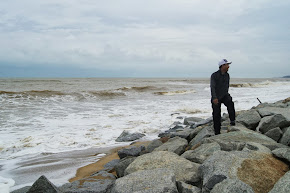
[219, 85]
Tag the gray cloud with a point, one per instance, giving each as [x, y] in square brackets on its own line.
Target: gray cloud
[175, 37]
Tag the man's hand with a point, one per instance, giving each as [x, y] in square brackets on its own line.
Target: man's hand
[215, 101]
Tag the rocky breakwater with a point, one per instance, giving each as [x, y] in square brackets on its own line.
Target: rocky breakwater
[251, 157]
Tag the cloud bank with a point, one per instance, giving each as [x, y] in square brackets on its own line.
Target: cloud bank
[153, 38]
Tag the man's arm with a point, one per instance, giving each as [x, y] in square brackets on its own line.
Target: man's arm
[212, 89]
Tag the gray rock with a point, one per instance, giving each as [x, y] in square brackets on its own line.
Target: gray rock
[130, 151]
[237, 140]
[22, 190]
[285, 140]
[122, 165]
[274, 134]
[252, 146]
[232, 186]
[192, 120]
[283, 185]
[184, 169]
[111, 165]
[204, 133]
[204, 122]
[147, 181]
[272, 110]
[194, 132]
[43, 185]
[283, 153]
[200, 154]
[249, 118]
[187, 188]
[126, 136]
[264, 112]
[153, 145]
[176, 145]
[270, 122]
[220, 166]
[185, 134]
[101, 182]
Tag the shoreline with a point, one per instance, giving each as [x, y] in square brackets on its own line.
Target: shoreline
[112, 154]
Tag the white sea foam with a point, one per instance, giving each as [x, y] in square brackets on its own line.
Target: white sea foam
[76, 114]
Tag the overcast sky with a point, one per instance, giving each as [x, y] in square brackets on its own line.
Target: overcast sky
[143, 38]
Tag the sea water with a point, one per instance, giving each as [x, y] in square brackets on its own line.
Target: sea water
[48, 116]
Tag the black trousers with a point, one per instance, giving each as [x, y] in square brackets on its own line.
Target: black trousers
[228, 102]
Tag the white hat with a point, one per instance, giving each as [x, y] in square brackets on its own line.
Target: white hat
[224, 61]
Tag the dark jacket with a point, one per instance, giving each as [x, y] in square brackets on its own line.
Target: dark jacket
[219, 85]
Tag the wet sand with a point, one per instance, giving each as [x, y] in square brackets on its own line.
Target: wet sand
[99, 165]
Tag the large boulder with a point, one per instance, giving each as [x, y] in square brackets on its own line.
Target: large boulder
[236, 140]
[101, 182]
[244, 166]
[249, 118]
[274, 134]
[204, 133]
[273, 110]
[285, 140]
[43, 185]
[176, 145]
[184, 169]
[283, 185]
[131, 151]
[126, 136]
[283, 153]
[147, 181]
[232, 186]
[270, 122]
[200, 154]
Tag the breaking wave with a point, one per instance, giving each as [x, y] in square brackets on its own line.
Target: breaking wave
[178, 92]
[256, 85]
[138, 88]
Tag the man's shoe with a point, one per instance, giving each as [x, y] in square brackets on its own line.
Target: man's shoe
[233, 123]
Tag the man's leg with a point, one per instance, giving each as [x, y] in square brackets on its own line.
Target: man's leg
[216, 114]
[228, 101]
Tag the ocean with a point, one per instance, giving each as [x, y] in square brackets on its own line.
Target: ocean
[42, 116]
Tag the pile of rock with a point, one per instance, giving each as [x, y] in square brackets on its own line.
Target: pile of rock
[251, 157]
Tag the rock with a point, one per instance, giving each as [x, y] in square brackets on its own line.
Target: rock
[204, 133]
[244, 166]
[187, 188]
[249, 118]
[283, 153]
[285, 140]
[252, 146]
[200, 154]
[101, 182]
[194, 132]
[126, 136]
[192, 120]
[111, 165]
[43, 185]
[184, 169]
[147, 181]
[274, 134]
[283, 185]
[270, 122]
[130, 151]
[185, 134]
[176, 145]
[22, 190]
[236, 140]
[204, 122]
[122, 165]
[153, 145]
[232, 186]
